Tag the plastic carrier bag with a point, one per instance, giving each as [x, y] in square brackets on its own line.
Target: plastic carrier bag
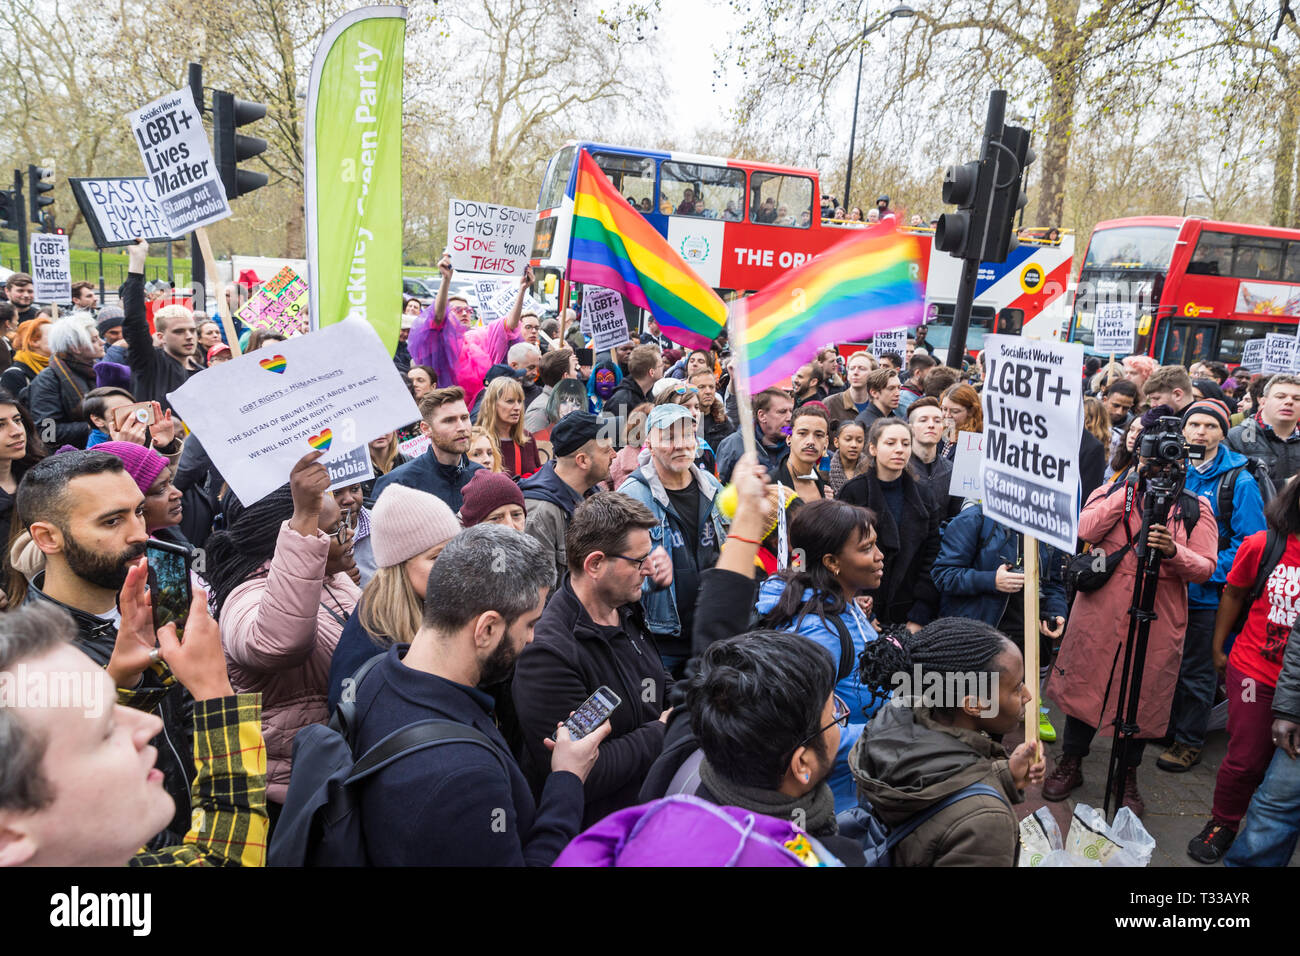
[1090, 842]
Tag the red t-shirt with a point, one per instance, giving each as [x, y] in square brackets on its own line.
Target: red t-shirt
[1258, 650]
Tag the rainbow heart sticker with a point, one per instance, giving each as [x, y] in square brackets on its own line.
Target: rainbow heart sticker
[275, 363]
[322, 441]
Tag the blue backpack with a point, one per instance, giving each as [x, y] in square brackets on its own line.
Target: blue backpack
[878, 841]
[320, 824]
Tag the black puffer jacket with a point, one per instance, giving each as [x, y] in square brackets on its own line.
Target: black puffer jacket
[53, 396]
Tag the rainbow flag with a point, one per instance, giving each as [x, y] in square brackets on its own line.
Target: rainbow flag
[864, 284]
[613, 246]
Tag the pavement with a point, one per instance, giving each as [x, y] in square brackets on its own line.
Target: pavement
[1177, 804]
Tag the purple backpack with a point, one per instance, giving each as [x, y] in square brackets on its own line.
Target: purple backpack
[684, 830]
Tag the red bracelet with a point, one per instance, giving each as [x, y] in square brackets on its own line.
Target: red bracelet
[746, 540]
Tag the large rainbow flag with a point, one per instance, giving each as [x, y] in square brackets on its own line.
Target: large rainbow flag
[864, 284]
[613, 246]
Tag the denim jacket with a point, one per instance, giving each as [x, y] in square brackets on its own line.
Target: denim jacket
[660, 604]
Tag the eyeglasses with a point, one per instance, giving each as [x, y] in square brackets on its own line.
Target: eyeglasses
[347, 524]
[841, 714]
[639, 562]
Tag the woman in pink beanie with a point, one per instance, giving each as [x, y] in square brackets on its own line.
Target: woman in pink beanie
[408, 530]
[492, 497]
[153, 475]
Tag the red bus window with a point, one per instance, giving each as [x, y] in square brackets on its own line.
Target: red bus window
[780, 200]
[708, 192]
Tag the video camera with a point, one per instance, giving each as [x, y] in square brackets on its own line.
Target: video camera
[1164, 449]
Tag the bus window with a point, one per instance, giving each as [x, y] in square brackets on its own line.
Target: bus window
[1131, 247]
[711, 192]
[780, 200]
[557, 179]
[1233, 337]
[632, 176]
[1212, 256]
[1291, 270]
[1258, 258]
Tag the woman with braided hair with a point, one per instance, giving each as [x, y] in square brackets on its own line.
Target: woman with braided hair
[283, 586]
[954, 683]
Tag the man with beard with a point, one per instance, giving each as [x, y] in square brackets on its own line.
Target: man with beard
[85, 515]
[444, 469]
[466, 802]
[593, 634]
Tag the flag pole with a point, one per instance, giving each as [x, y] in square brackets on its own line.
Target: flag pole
[740, 374]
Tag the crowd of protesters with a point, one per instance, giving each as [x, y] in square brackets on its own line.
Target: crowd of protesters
[560, 523]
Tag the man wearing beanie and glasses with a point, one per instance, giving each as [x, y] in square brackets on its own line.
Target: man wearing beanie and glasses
[583, 452]
[1222, 478]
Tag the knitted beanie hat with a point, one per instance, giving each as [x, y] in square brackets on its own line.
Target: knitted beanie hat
[1206, 406]
[407, 522]
[486, 492]
[144, 465]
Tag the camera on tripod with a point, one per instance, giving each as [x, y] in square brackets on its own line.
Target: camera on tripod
[1164, 450]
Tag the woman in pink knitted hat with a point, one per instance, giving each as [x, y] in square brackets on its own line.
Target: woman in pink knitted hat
[408, 530]
[153, 475]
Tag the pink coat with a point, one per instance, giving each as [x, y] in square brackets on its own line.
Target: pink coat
[279, 635]
[1099, 620]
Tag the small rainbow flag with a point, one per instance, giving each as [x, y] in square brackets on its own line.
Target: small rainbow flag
[861, 285]
[613, 246]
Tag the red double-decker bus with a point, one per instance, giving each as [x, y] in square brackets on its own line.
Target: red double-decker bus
[1201, 289]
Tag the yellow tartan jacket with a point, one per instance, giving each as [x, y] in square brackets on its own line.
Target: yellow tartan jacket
[228, 797]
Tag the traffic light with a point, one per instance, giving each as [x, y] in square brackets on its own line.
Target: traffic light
[37, 186]
[1009, 196]
[231, 148]
[961, 233]
[10, 215]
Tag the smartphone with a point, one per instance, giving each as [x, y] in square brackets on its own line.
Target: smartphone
[587, 357]
[142, 412]
[169, 583]
[595, 710]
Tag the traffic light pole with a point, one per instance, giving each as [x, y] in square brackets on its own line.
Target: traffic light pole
[971, 266]
[24, 263]
[198, 275]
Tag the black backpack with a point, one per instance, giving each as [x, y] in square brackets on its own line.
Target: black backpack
[1227, 485]
[321, 821]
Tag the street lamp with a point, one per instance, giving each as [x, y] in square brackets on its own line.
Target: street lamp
[1189, 197]
[902, 10]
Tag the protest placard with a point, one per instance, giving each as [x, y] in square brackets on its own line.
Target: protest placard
[965, 481]
[486, 291]
[486, 237]
[178, 161]
[331, 390]
[1114, 327]
[889, 340]
[350, 468]
[278, 304]
[414, 447]
[118, 210]
[1252, 356]
[603, 309]
[51, 268]
[1279, 354]
[1033, 417]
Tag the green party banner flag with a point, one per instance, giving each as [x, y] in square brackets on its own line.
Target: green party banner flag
[354, 172]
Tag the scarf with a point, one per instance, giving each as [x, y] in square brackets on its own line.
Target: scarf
[838, 479]
[816, 808]
[64, 366]
[33, 360]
